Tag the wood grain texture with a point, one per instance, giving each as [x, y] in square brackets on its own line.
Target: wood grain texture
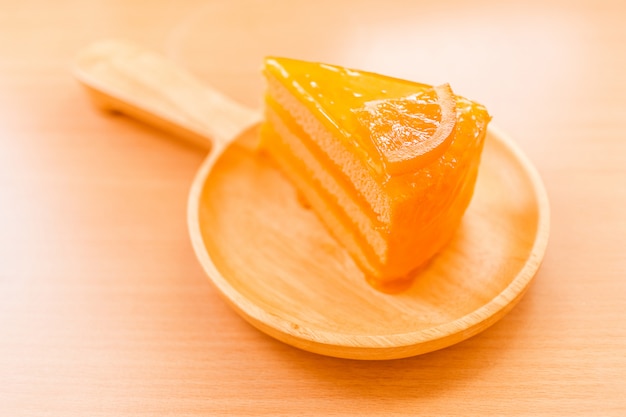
[124, 77]
[278, 266]
[104, 309]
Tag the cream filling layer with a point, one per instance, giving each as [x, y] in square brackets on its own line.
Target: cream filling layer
[326, 181]
[356, 171]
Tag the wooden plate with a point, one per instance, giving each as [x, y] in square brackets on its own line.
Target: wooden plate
[276, 264]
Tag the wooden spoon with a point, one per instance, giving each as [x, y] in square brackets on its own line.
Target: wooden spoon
[277, 266]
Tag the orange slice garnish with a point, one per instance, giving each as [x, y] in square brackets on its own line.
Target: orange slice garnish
[410, 132]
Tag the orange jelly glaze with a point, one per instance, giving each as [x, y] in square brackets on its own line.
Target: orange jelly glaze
[426, 205]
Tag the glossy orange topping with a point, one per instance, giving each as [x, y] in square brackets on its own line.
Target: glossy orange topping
[409, 132]
[391, 164]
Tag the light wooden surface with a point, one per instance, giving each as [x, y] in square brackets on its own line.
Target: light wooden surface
[104, 309]
[275, 263]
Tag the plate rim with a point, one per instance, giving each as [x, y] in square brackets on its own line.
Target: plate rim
[380, 346]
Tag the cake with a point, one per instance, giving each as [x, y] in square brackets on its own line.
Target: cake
[388, 165]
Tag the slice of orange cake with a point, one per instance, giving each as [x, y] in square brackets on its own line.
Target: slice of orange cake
[387, 164]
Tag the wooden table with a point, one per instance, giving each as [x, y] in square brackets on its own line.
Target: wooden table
[104, 309]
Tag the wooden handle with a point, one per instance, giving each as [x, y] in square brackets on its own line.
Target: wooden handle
[126, 78]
